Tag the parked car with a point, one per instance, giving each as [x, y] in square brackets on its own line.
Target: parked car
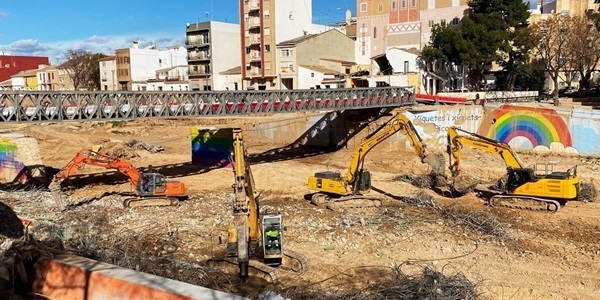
[568, 90]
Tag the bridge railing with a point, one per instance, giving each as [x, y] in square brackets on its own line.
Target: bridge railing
[46, 106]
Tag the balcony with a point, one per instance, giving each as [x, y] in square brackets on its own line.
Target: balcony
[255, 57]
[253, 23]
[198, 73]
[197, 41]
[198, 56]
[255, 41]
[253, 6]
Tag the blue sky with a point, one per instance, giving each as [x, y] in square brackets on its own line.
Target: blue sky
[51, 28]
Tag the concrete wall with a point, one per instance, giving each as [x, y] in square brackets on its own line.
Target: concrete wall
[20, 160]
[211, 147]
[525, 128]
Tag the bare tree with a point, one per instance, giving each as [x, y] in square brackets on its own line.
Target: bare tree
[584, 42]
[552, 46]
[83, 69]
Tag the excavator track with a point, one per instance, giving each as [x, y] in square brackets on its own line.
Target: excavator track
[153, 201]
[273, 273]
[525, 202]
[345, 202]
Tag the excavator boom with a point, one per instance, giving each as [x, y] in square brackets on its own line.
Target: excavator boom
[334, 189]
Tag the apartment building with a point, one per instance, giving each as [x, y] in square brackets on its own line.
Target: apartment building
[212, 48]
[13, 64]
[372, 17]
[135, 65]
[326, 53]
[546, 8]
[264, 24]
[108, 76]
[47, 78]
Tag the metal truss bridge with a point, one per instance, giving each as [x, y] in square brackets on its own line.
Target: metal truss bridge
[45, 106]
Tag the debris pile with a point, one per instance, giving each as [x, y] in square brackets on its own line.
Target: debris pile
[422, 199]
[428, 284]
[587, 192]
[127, 149]
[478, 220]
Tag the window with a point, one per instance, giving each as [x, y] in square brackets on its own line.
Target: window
[267, 65]
[312, 74]
[380, 7]
[374, 32]
[267, 48]
[431, 23]
[267, 31]
[246, 17]
[266, 14]
[287, 52]
[247, 50]
[413, 3]
[406, 66]
[394, 5]
[443, 22]
[455, 22]
[403, 4]
[363, 7]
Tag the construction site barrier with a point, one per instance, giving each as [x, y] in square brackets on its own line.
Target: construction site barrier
[45, 106]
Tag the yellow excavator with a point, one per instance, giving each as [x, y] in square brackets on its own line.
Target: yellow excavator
[336, 191]
[250, 235]
[536, 188]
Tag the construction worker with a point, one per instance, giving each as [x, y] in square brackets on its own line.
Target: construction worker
[272, 238]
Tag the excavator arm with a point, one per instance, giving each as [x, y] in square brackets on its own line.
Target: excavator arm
[456, 142]
[162, 192]
[87, 156]
[399, 123]
[244, 231]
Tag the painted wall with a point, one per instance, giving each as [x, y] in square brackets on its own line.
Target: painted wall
[20, 160]
[211, 147]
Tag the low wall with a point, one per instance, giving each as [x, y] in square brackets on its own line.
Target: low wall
[20, 160]
[559, 129]
[72, 277]
[211, 147]
[494, 94]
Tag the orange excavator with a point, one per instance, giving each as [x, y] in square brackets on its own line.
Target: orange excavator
[151, 189]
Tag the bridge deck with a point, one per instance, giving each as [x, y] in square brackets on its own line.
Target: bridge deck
[47, 106]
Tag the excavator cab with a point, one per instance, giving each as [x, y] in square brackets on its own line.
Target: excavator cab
[518, 177]
[152, 184]
[272, 239]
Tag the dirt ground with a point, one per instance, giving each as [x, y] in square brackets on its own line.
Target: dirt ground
[538, 256]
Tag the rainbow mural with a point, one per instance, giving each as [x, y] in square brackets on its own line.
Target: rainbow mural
[532, 125]
[211, 147]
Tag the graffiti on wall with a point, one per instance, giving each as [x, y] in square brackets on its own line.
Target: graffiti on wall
[11, 169]
[432, 125]
[528, 128]
[211, 147]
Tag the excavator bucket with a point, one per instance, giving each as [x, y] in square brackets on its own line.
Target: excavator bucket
[464, 183]
[437, 162]
[56, 193]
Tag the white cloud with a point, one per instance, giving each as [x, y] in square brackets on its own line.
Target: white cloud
[57, 51]
[2, 15]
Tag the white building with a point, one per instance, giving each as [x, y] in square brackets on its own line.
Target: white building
[318, 77]
[395, 67]
[108, 68]
[213, 47]
[138, 65]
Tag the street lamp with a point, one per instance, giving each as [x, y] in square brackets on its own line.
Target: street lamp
[113, 79]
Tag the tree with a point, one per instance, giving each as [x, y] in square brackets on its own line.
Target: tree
[491, 32]
[583, 43]
[552, 46]
[83, 69]
[502, 34]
